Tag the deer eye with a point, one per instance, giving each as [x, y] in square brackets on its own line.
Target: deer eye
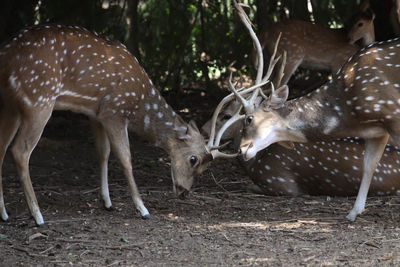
[248, 120]
[360, 24]
[193, 160]
[226, 117]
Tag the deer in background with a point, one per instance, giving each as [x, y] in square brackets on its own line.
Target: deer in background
[362, 99]
[53, 67]
[311, 46]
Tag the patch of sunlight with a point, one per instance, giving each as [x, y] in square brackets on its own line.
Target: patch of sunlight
[105, 4]
[254, 225]
[254, 260]
[335, 25]
[172, 217]
[185, 110]
[37, 13]
[268, 225]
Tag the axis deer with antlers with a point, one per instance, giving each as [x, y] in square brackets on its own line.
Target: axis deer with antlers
[313, 168]
[54, 67]
[313, 47]
[362, 99]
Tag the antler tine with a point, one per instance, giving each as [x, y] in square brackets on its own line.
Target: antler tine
[273, 60]
[223, 102]
[227, 124]
[219, 154]
[247, 105]
[281, 69]
[215, 150]
[218, 109]
[246, 21]
[235, 92]
[279, 78]
[214, 147]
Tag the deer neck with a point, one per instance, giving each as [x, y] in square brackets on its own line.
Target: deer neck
[316, 115]
[155, 120]
[368, 38]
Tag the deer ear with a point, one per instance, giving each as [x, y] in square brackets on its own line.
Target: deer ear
[278, 98]
[181, 129]
[192, 123]
[364, 5]
[370, 13]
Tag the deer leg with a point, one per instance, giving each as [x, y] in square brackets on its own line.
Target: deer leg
[118, 136]
[374, 148]
[103, 151]
[9, 123]
[31, 129]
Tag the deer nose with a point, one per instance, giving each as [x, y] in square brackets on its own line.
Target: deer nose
[243, 148]
[181, 192]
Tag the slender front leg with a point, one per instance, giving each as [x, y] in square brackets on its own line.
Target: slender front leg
[103, 151]
[373, 151]
[31, 129]
[118, 135]
[9, 122]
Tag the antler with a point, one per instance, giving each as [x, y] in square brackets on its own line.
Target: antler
[248, 103]
[259, 82]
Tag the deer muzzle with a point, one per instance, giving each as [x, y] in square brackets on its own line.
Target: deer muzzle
[182, 192]
[246, 151]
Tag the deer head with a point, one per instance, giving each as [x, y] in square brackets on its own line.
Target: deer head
[363, 25]
[264, 126]
[189, 157]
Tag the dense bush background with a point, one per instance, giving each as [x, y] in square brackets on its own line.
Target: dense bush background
[183, 43]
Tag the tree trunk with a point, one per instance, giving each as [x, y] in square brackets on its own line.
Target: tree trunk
[133, 40]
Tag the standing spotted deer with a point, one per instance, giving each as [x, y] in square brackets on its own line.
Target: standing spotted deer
[362, 99]
[53, 67]
[313, 47]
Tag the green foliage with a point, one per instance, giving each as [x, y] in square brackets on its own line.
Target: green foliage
[187, 42]
[180, 43]
[89, 14]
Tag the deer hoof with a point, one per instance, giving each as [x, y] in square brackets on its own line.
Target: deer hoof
[5, 218]
[149, 217]
[111, 208]
[41, 225]
[352, 216]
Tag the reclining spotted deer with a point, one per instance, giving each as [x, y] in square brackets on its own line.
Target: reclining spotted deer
[361, 100]
[313, 168]
[53, 67]
[313, 47]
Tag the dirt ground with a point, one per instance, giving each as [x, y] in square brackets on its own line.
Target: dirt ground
[220, 224]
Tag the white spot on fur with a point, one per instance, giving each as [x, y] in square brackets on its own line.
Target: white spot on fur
[331, 124]
[146, 122]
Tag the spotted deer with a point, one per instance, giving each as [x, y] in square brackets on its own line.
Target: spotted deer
[319, 168]
[313, 168]
[314, 47]
[54, 67]
[362, 99]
